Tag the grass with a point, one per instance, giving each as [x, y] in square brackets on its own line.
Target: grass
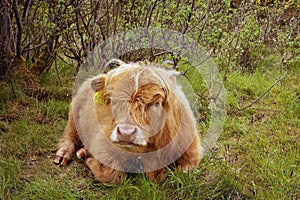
[256, 157]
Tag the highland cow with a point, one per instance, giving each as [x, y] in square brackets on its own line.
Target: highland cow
[135, 118]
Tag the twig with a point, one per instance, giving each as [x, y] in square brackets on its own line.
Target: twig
[149, 14]
[57, 71]
[263, 94]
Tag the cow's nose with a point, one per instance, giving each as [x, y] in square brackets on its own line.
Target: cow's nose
[126, 132]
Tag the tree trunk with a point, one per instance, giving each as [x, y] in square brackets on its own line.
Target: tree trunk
[6, 54]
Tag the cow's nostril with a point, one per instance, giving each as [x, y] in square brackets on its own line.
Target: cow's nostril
[126, 131]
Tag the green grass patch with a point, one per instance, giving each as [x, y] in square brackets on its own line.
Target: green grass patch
[256, 157]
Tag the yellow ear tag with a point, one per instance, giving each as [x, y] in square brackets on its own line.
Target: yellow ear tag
[98, 98]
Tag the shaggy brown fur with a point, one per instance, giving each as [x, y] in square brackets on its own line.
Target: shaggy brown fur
[139, 114]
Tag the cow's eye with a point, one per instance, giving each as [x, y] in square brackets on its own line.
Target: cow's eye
[157, 104]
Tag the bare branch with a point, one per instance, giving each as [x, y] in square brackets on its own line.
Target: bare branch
[263, 94]
[25, 11]
[57, 71]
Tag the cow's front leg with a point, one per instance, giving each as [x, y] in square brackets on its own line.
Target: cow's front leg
[67, 143]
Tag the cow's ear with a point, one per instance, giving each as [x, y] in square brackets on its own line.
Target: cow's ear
[98, 83]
